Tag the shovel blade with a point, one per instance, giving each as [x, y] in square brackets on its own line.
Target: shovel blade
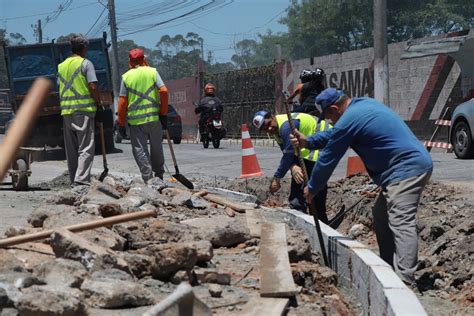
[182, 179]
[103, 174]
[338, 218]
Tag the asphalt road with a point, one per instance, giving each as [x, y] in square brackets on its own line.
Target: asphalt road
[194, 162]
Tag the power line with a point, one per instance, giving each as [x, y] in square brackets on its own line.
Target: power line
[203, 10]
[241, 33]
[46, 13]
[96, 21]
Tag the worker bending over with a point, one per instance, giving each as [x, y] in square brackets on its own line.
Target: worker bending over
[143, 103]
[395, 160]
[279, 128]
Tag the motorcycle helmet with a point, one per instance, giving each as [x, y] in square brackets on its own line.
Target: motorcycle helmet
[318, 74]
[259, 119]
[209, 89]
[306, 75]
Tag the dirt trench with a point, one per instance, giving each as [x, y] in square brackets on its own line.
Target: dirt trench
[445, 225]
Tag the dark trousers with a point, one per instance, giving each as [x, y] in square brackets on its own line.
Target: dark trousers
[298, 202]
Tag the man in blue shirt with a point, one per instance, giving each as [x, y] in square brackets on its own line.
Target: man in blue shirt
[394, 159]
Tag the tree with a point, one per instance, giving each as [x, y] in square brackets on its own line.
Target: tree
[244, 52]
[321, 27]
[177, 56]
[65, 38]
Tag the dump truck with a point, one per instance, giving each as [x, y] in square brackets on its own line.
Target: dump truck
[24, 64]
[27, 62]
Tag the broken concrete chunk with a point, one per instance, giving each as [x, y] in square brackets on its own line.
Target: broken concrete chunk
[105, 293]
[170, 258]
[102, 236]
[204, 250]
[212, 276]
[48, 300]
[111, 274]
[299, 248]
[8, 262]
[215, 290]
[61, 272]
[197, 203]
[66, 197]
[221, 230]
[106, 189]
[94, 257]
[181, 198]
[166, 231]
[130, 203]
[101, 193]
[110, 209]
[13, 231]
[41, 213]
[140, 265]
[145, 192]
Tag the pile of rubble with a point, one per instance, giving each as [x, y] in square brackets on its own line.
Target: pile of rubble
[445, 226]
[134, 265]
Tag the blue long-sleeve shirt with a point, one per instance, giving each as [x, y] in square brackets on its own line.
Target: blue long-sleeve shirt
[286, 147]
[388, 148]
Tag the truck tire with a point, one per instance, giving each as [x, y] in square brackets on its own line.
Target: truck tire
[20, 180]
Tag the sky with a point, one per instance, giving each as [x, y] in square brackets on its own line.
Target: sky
[221, 23]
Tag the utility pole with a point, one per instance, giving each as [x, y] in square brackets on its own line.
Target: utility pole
[40, 32]
[113, 35]
[381, 76]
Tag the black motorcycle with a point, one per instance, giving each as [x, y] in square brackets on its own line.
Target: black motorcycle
[213, 130]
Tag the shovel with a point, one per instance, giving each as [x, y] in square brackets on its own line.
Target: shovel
[188, 184]
[104, 157]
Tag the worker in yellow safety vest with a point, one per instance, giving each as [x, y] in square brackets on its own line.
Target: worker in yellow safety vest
[143, 104]
[80, 105]
[279, 128]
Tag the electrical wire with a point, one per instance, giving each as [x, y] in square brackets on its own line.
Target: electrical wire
[97, 20]
[46, 13]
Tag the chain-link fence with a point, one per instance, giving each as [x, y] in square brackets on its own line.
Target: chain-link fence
[243, 92]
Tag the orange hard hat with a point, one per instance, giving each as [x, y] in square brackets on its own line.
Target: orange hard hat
[209, 88]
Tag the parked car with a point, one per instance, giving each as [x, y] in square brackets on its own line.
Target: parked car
[461, 133]
[175, 127]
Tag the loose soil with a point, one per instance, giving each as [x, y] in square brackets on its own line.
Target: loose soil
[445, 225]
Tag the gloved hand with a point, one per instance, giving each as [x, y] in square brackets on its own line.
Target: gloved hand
[100, 115]
[122, 131]
[164, 121]
[275, 185]
[297, 174]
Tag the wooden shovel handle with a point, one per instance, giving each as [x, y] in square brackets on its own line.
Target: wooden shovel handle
[23, 123]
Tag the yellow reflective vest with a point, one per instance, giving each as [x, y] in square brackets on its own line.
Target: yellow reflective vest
[143, 101]
[308, 126]
[74, 92]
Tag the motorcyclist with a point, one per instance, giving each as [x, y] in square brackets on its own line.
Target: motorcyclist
[313, 84]
[207, 104]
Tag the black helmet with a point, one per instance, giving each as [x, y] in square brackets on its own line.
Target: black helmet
[318, 74]
[306, 75]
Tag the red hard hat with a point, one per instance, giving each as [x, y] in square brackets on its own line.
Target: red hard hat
[136, 54]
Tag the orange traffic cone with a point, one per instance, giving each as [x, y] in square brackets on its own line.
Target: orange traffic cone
[250, 166]
[355, 165]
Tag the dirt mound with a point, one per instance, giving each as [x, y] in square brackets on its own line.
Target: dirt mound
[445, 226]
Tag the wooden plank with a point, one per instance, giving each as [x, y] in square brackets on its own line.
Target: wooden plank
[276, 278]
[267, 306]
[254, 221]
[222, 201]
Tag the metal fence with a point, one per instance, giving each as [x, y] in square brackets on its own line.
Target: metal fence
[243, 92]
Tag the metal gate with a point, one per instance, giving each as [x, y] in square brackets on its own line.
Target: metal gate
[243, 92]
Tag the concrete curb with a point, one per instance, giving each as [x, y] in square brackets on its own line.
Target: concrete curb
[372, 281]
